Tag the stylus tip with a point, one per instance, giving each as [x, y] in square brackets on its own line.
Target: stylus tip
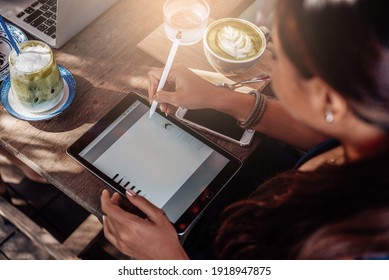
[152, 109]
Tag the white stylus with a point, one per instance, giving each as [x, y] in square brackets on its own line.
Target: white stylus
[166, 70]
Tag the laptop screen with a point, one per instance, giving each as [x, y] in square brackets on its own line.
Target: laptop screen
[48, 20]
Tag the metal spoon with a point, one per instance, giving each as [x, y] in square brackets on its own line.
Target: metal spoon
[260, 78]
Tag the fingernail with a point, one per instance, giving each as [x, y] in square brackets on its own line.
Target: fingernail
[104, 217]
[130, 192]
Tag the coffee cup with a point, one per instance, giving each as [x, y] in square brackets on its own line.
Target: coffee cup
[232, 46]
[36, 83]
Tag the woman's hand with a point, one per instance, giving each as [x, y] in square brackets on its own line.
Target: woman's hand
[151, 238]
[183, 89]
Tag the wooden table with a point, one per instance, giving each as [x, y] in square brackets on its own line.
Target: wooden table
[107, 64]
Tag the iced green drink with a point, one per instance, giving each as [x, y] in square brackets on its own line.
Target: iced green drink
[35, 79]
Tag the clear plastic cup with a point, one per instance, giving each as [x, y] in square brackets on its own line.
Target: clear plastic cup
[188, 16]
[36, 83]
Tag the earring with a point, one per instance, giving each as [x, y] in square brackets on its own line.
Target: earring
[329, 116]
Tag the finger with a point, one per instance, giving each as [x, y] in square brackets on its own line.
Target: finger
[155, 214]
[104, 195]
[108, 207]
[177, 71]
[153, 84]
[155, 72]
[169, 110]
[115, 199]
[114, 212]
[163, 107]
[154, 76]
[166, 97]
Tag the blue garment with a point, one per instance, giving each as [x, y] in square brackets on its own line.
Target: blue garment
[317, 150]
[378, 257]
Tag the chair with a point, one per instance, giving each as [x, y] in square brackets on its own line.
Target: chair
[73, 246]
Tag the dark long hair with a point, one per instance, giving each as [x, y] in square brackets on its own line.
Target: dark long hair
[334, 211]
[345, 42]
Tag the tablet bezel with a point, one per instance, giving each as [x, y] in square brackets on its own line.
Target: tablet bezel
[201, 202]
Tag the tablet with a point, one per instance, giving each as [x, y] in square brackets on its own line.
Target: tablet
[160, 158]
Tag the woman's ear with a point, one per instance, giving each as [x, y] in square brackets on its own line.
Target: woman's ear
[335, 107]
[324, 99]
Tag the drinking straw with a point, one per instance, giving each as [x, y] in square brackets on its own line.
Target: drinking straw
[10, 38]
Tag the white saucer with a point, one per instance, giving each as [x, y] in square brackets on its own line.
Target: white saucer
[16, 110]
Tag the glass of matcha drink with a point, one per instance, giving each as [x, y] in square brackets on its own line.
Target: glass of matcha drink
[36, 83]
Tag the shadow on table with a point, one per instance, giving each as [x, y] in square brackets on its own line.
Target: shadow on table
[85, 108]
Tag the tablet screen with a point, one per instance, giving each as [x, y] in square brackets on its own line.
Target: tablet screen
[155, 157]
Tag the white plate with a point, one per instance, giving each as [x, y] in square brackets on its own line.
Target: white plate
[14, 109]
[6, 47]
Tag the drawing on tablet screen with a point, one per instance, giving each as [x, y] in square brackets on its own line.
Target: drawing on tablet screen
[155, 159]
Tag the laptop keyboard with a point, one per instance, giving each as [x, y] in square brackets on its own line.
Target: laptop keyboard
[42, 15]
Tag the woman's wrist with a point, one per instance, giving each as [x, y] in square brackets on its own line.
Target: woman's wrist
[257, 111]
[233, 103]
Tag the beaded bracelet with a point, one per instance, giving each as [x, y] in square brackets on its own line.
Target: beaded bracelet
[256, 112]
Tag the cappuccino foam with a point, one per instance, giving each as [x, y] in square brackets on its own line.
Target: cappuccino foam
[234, 40]
[32, 59]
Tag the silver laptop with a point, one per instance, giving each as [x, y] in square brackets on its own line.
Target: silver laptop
[53, 21]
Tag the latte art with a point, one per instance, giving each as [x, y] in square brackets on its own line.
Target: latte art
[235, 39]
[235, 42]
[232, 45]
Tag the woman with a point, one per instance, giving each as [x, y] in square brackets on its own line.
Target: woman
[331, 73]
